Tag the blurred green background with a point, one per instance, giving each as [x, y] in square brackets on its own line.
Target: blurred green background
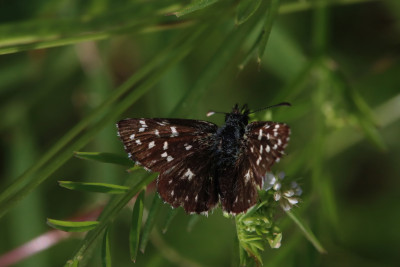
[69, 70]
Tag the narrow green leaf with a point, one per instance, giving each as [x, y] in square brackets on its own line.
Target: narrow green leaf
[171, 215]
[155, 206]
[105, 157]
[72, 263]
[307, 232]
[194, 6]
[94, 187]
[273, 9]
[69, 226]
[109, 213]
[105, 249]
[136, 223]
[246, 9]
[192, 222]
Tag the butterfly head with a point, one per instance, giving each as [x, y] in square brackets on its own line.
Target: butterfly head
[238, 115]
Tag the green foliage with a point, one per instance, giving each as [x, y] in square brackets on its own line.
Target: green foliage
[70, 70]
[68, 226]
[94, 187]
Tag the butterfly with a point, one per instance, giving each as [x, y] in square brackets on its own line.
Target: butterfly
[201, 164]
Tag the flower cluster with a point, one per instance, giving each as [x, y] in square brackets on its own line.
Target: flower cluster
[287, 194]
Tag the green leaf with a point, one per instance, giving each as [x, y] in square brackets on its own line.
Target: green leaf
[105, 249]
[192, 222]
[155, 206]
[94, 187]
[307, 232]
[69, 226]
[136, 223]
[194, 6]
[272, 12]
[105, 157]
[109, 214]
[72, 263]
[246, 9]
[171, 215]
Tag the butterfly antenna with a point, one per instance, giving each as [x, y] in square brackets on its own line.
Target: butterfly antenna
[277, 105]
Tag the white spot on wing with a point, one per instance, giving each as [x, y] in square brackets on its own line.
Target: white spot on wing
[267, 149]
[247, 177]
[261, 149]
[174, 132]
[152, 144]
[165, 147]
[279, 142]
[260, 134]
[186, 198]
[138, 142]
[189, 174]
[169, 158]
[132, 136]
[156, 132]
[259, 160]
[164, 155]
[141, 130]
[170, 181]
[172, 193]
[275, 147]
[196, 197]
[188, 147]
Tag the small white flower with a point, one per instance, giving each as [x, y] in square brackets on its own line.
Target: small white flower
[286, 194]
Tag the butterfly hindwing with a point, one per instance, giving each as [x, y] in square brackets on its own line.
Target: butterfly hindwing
[238, 187]
[190, 184]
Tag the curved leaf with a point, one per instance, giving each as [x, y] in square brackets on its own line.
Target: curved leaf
[105, 157]
[94, 187]
[69, 226]
[246, 9]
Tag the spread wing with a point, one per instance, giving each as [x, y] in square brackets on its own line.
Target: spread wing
[262, 146]
[180, 150]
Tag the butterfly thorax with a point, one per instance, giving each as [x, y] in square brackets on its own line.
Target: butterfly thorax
[229, 137]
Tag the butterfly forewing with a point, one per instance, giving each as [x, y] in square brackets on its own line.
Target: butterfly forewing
[180, 150]
[158, 144]
[266, 142]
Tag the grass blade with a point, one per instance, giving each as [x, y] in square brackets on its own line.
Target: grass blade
[136, 223]
[105, 249]
[105, 157]
[307, 232]
[69, 226]
[194, 6]
[94, 187]
[246, 9]
[155, 207]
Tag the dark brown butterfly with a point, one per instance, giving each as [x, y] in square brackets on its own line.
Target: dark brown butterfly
[201, 164]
